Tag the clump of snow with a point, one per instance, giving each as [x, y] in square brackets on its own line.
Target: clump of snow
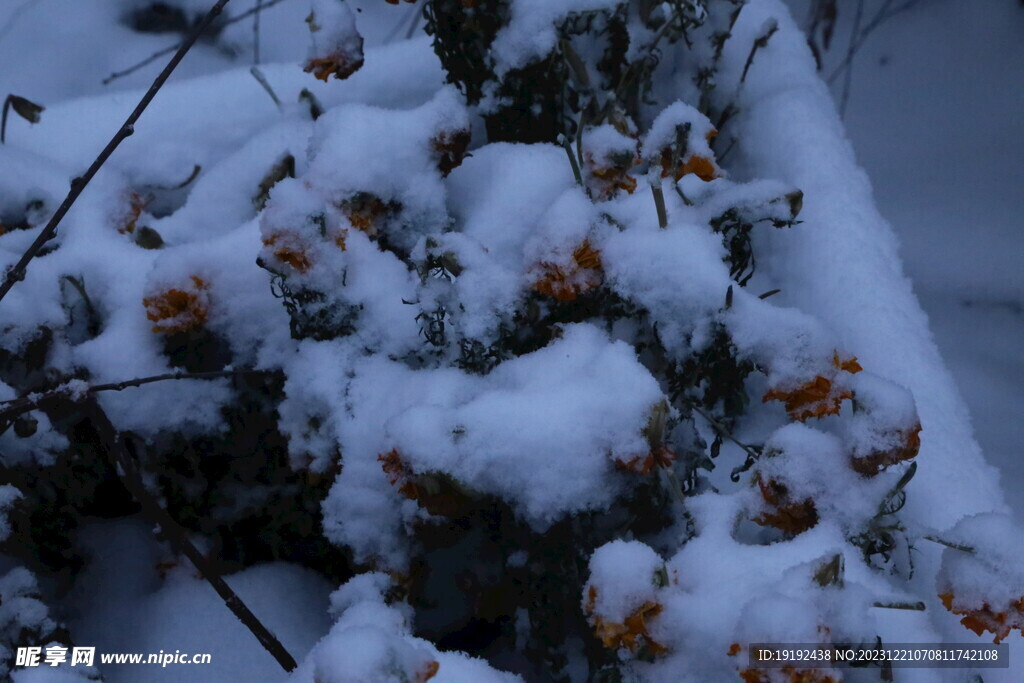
[682, 133]
[531, 33]
[372, 640]
[623, 578]
[541, 431]
[990, 575]
[814, 465]
[336, 45]
[21, 614]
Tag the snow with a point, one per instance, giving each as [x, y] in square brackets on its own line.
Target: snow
[622, 579]
[390, 258]
[124, 605]
[544, 430]
[531, 35]
[371, 641]
[802, 145]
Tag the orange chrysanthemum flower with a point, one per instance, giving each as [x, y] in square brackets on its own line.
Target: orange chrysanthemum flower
[703, 167]
[565, 284]
[788, 674]
[289, 249]
[792, 517]
[178, 310]
[875, 462]
[367, 212]
[818, 397]
[428, 671]
[451, 150]
[399, 474]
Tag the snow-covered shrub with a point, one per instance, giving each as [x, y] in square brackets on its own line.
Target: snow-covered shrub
[523, 387]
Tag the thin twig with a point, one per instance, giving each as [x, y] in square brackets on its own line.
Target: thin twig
[256, 32]
[721, 430]
[127, 128]
[912, 606]
[417, 13]
[123, 463]
[265, 5]
[949, 544]
[884, 14]
[18, 406]
[760, 42]
[848, 79]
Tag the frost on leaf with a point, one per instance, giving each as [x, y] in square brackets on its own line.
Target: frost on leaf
[179, 310]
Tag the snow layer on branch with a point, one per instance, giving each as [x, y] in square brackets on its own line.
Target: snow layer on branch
[399, 75]
[123, 603]
[788, 129]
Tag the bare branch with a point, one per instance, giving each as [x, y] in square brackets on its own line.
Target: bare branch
[886, 12]
[848, 80]
[17, 273]
[264, 5]
[124, 464]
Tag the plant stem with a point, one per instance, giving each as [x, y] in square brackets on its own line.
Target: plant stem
[564, 142]
[659, 204]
